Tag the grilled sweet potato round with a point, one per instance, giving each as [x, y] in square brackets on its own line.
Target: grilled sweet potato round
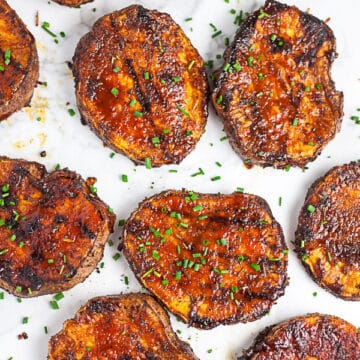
[52, 228]
[132, 326]
[328, 233]
[19, 64]
[72, 3]
[314, 336]
[211, 259]
[274, 93]
[141, 86]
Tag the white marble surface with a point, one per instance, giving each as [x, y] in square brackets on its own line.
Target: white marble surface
[70, 144]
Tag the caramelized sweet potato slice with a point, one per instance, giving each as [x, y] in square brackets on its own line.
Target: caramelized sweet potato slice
[141, 86]
[132, 326]
[314, 336]
[274, 92]
[210, 259]
[52, 228]
[72, 3]
[19, 64]
[328, 233]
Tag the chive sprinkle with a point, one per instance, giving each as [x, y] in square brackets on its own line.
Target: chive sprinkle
[114, 91]
[7, 56]
[138, 114]
[255, 266]
[310, 208]
[148, 163]
[180, 108]
[54, 305]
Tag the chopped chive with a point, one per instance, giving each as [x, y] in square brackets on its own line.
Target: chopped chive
[54, 305]
[4, 251]
[219, 100]
[155, 140]
[116, 69]
[146, 75]
[138, 114]
[132, 102]
[200, 172]
[25, 320]
[45, 329]
[237, 66]
[176, 78]
[197, 208]
[262, 14]
[202, 217]
[196, 267]
[215, 178]
[274, 259]
[71, 112]
[250, 61]
[116, 257]
[124, 178]
[216, 34]
[191, 64]
[295, 122]
[280, 201]
[178, 275]
[114, 91]
[147, 273]
[188, 19]
[148, 163]
[155, 255]
[310, 208]
[59, 296]
[255, 266]
[45, 26]
[180, 108]
[304, 257]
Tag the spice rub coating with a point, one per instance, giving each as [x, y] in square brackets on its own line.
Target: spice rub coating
[72, 3]
[52, 228]
[327, 238]
[141, 86]
[210, 259]
[19, 64]
[132, 326]
[314, 336]
[274, 92]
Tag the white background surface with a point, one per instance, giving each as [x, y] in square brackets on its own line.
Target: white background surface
[72, 145]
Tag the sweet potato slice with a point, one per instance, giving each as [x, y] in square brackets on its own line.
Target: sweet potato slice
[52, 228]
[328, 232]
[310, 337]
[132, 326]
[274, 92]
[141, 86]
[210, 259]
[19, 64]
